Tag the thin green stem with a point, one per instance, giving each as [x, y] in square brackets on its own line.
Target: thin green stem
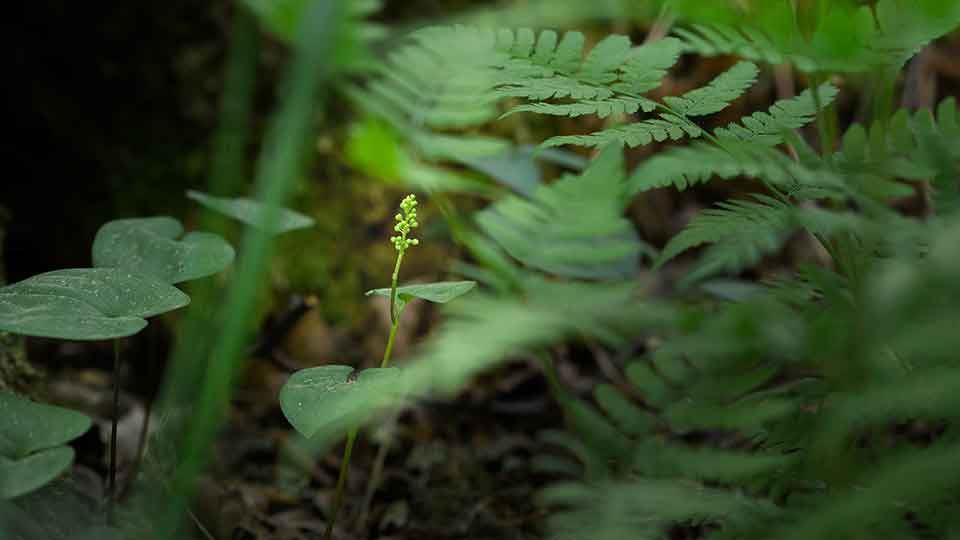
[394, 316]
[389, 350]
[341, 482]
[112, 492]
[352, 435]
[393, 290]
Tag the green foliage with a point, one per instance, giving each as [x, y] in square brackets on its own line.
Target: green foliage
[149, 247]
[779, 413]
[32, 438]
[283, 17]
[841, 35]
[439, 292]
[85, 304]
[768, 127]
[330, 400]
[573, 227]
[741, 232]
[253, 213]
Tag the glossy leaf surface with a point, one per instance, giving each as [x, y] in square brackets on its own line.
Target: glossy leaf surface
[85, 304]
[332, 399]
[150, 246]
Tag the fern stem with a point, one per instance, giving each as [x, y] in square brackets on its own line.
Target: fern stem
[341, 483]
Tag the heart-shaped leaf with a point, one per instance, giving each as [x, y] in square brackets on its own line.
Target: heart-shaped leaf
[18, 477]
[111, 291]
[149, 246]
[42, 315]
[329, 400]
[253, 213]
[27, 426]
[85, 304]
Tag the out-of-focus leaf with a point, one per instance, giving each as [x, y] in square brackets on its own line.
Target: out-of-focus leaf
[27, 426]
[253, 213]
[21, 476]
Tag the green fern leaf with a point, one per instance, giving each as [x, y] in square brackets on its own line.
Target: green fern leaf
[768, 127]
[716, 95]
[573, 227]
[609, 80]
[686, 166]
[630, 418]
[647, 65]
[600, 107]
[760, 222]
[634, 134]
[716, 40]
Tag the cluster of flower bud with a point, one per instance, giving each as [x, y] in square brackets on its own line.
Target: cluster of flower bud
[406, 222]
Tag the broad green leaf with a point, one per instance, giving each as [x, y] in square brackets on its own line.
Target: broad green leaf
[330, 399]
[42, 315]
[85, 304]
[149, 246]
[253, 213]
[440, 292]
[27, 426]
[32, 472]
[113, 292]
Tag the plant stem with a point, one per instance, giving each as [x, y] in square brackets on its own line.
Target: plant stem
[394, 316]
[341, 483]
[352, 435]
[112, 492]
[389, 350]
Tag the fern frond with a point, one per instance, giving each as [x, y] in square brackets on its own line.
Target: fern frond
[675, 124]
[716, 40]
[609, 80]
[634, 134]
[600, 107]
[718, 94]
[937, 145]
[642, 509]
[573, 227]
[647, 65]
[741, 230]
[655, 459]
[899, 30]
[686, 166]
[768, 127]
[920, 146]
[630, 418]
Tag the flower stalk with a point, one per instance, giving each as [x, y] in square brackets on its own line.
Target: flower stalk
[406, 221]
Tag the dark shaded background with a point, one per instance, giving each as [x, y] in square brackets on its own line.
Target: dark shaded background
[112, 107]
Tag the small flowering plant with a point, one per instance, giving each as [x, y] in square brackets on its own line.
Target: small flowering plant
[333, 399]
